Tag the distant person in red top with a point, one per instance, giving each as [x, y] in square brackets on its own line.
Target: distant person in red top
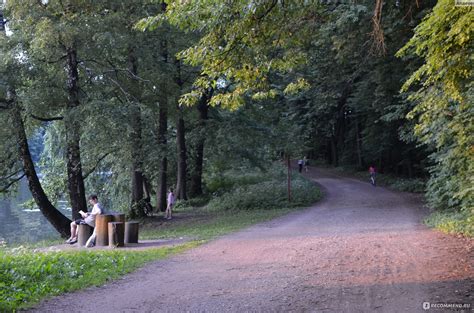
[372, 173]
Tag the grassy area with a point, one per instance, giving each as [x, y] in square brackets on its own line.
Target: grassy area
[202, 224]
[28, 276]
[452, 222]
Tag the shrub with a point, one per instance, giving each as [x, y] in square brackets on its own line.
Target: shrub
[409, 185]
[452, 222]
[266, 195]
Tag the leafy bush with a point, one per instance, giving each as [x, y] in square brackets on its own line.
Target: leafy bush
[271, 194]
[227, 181]
[457, 222]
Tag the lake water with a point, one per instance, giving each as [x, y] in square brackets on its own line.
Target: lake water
[19, 224]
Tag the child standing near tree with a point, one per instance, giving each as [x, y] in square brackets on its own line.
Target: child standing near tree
[170, 203]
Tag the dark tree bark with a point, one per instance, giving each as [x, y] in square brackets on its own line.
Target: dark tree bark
[334, 154]
[162, 142]
[337, 139]
[163, 130]
[288, 176]
[358, 141]
[182, 161]
[75, 183]
[55, 217]
[137, 205]
[195, 188]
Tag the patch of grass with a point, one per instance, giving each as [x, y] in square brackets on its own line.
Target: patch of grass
[205, 225]
[28, 276]
[452, 222]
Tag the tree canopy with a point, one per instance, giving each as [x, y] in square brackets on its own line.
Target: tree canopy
[130, 98]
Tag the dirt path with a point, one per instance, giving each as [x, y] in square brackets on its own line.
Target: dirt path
[362, 249]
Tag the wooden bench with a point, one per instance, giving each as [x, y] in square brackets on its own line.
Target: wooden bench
[112, 230]
[102, 226]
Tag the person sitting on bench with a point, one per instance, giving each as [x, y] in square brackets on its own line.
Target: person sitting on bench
[87, 218]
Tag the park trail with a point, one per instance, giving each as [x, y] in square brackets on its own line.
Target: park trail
[360, 249]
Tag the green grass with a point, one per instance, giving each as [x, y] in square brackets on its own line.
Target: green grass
[28, 276]
[205, 225]
[452, 222]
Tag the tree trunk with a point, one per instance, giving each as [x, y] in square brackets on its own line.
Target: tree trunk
[162, 142]
[195, 188]
[163, 126]
[137, 205]
[358, 140]
[182, 162]
[55, 217]
[75, 183]
[334, 156]
[288, 165]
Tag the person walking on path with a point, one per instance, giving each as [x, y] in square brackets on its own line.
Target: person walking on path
[372, 173]
[170, 203]
[87, 218]
[305, 164]
[300, 165]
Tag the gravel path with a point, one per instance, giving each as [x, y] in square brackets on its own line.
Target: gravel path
[361, 249]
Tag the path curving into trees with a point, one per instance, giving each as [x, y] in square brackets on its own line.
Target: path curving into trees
[360, 249]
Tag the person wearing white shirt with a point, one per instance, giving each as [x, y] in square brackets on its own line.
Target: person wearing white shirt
[87, 218]
[170, 201]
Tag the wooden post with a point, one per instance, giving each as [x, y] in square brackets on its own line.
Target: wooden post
[131, 232]
[102, 231]
[116, 234]
[83, 234]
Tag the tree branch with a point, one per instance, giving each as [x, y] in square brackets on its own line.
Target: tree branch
[47, 119]
[5, 189]
[97, 164]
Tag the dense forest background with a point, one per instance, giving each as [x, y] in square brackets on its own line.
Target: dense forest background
[126, 99]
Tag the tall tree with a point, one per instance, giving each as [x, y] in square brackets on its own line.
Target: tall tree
[442, 91]
[195, 188]
[8, 162]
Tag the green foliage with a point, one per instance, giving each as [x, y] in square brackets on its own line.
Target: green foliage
[29, 276]
[261, 191]
[442, 91]
[267, 196]
[452, 222]
[241, 43]
[220, 183]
